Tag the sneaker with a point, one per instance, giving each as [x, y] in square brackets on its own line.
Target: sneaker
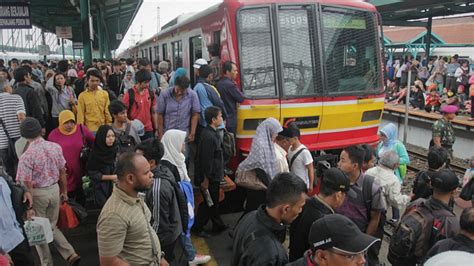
[200, 259]
[392, 221]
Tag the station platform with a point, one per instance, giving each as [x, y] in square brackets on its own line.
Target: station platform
[461, 121]
[420, 125]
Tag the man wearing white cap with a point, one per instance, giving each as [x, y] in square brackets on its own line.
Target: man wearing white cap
[197, 65]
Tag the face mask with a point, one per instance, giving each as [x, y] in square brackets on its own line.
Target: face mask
[450, 94]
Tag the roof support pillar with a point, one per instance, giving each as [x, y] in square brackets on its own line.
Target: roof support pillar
[100, 31]
[428, 38]
[86, 34]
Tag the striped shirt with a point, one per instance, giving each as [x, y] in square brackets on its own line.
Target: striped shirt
[11, 105]
[124, 229]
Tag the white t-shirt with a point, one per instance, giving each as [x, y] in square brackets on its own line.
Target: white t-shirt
[299, 165]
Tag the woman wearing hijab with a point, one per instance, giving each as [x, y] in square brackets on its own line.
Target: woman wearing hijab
[262, 160]
[101, 164]
[178, 73]
[389, 141]
[71, 137]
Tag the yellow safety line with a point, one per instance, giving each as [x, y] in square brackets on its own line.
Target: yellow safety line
[202, 248]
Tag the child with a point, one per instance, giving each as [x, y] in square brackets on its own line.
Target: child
[417, 100]
[300, 159]
[433, 101]
[462, 96]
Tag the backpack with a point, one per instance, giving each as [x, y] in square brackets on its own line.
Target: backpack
[126, 142]
[228, 145]
[419, 229]
[367, 193]
[131, 99]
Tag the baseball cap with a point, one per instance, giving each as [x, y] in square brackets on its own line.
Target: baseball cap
[335, 179]
[339, 232]
[200, 62]
[444, 180]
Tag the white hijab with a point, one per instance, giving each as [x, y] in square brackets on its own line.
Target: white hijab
[172, 141]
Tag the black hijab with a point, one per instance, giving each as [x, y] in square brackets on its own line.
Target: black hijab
[102, 155]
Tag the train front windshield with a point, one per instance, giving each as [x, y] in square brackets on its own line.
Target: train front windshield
[309, 52]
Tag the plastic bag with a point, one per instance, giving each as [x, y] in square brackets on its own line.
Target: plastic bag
[79, 210]
[67, 218]
[38, 231]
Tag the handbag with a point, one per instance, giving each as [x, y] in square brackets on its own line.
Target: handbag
[249, 180]
[85, 150]
[79, 210]
[38, 231]
[467, 191]
[67, 218]
[11, 145]
[227, 184]
[17, 191]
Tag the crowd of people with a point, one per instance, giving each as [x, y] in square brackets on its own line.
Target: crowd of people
[147, 140]
[434, 83]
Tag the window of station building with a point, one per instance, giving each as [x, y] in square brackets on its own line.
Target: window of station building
[297, 49]
[165, 51]
[350, 51]
[256, 53]
[177, 48]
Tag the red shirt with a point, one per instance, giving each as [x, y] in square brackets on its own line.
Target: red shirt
[141, 109]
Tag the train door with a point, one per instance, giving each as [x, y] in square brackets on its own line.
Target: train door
[352, 108]
[257, 73]
[195, 52]
[300, 79]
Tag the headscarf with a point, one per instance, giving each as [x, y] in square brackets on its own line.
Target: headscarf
[262, 152]
[391, 132]
[64, 117]
[178, 73]
[172, 141]
[102, 155]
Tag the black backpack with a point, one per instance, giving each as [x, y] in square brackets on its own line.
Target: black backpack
[420, 228]
[131, 99]
[126, 142]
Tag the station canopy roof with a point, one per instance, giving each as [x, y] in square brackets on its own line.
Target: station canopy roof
[117, 16]
[403, 12]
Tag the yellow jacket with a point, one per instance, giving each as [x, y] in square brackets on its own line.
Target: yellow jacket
[93, 109]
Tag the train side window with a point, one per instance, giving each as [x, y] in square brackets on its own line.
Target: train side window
[165, 51]
[256, 53]
[350, 51]
[177, 48]
[195, 46]
[297, 31]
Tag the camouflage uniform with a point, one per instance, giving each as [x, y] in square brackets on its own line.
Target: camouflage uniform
[444, 129]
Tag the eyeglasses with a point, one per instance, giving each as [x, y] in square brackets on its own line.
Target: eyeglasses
[349, 257]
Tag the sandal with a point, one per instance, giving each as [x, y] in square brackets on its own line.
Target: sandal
[74, 260]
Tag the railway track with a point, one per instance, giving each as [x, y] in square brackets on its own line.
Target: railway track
[418, 162]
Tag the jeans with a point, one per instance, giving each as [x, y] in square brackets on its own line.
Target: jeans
[187, 245]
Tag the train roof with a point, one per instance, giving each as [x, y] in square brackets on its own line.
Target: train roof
[239, 3]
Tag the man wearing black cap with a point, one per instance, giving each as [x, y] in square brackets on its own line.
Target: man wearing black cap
[334, 187]
[42, 169]
[435, 212]
[336, 241]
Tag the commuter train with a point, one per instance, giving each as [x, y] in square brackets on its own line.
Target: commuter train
[315, 62]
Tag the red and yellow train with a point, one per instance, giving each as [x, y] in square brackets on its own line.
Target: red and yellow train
[317, 62]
